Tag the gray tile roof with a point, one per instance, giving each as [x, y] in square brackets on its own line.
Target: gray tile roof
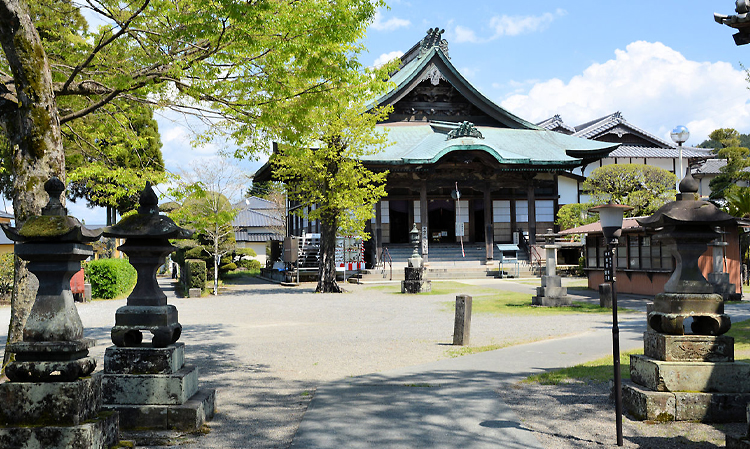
[243, 235]
[249, 218]
[255, 203]
[711, 167]
[656, 152]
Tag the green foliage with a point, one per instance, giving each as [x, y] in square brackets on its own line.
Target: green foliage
[738, 201]
[574, 215]
[110, 278]
[228, 267]
[643, 187]
[6, 275]
[245, 252]
[249, 264]
[195, 274]
[733, 148]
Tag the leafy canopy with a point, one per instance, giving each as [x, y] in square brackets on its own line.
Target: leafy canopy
[644, 187]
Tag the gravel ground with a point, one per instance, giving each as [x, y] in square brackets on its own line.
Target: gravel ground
[577, 415]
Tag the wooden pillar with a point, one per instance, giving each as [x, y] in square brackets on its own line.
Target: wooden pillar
[378, 234]
[532, 212]
[424, 216]
[489, 234]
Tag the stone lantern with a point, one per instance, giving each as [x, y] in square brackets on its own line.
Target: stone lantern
[551, 293]
[687, 377]
[149, 384]
[52, 396]
[147, 235]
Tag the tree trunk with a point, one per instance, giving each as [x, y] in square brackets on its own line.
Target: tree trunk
[217, 257]
[32, 125]
[327, 265]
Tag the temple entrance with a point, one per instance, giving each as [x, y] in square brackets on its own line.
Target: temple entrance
[478, 217]
[442, 220]
[399, 218]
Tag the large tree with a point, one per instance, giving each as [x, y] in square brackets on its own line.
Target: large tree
[644, 187]
[730, 148]
[328, 174]
[252, 69]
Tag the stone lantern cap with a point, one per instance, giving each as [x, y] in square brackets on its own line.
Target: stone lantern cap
[54, 224]
[147, 222]
[687, 210]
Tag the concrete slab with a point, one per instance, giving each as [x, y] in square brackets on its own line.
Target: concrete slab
[658, 375]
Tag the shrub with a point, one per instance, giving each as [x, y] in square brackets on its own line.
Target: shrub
[250, 264]
[110, 278]
[6, 275]
[195, 274]
[228, 267]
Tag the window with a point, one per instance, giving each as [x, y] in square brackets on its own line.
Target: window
[633, 252]
[545, 211]
[522, 211]
[501, 211]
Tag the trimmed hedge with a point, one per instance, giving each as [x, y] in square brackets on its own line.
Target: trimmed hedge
[195, 274]
[250, 264]
[110, 278]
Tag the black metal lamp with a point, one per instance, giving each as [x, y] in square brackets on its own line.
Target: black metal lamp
[611, 216]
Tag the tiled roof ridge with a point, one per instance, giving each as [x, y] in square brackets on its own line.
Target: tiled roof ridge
[610, 121]
[555, 121]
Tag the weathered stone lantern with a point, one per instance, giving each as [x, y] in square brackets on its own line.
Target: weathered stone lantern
[413, 273]
[679, 376]
[147, 235]
[150, 385]
[687, 226]
[54, 244]
[53, 398]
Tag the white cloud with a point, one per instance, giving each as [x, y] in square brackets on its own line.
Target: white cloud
[654, 86]
[386, 57]
[391, 24]
[509, 26]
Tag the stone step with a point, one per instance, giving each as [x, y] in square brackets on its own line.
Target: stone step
[189, 416]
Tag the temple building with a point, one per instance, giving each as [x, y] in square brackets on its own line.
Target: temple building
[446, 138]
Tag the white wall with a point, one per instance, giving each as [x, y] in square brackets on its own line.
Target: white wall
[567, 188]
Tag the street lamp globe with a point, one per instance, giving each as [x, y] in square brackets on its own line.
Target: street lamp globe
[680, 134]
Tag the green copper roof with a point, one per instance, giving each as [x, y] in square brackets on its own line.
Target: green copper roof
[435, 59]
[423, 142]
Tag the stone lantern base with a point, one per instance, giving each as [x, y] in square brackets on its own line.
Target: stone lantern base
[153, 389]
[53, 415]
[687, 378]
[551, 293]
[413, 282]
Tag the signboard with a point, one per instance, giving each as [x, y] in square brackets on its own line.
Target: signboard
[291, 249]
[425, 240]
[608, 275]
[460, 229]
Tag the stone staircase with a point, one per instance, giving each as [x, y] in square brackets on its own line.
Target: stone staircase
[445, 261]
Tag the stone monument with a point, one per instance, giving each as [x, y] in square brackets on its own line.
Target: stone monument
[149, 383]
[689, 377]
[53, 400]
[551, 293]
[413, 273]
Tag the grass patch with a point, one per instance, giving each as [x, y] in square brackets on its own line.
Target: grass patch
[469, 350]
[741, 333]
[514, 303]
[237, 276]
[601, 370]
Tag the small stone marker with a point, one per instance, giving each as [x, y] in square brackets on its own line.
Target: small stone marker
[462, 325]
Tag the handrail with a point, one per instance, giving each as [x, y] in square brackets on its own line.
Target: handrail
[390, 260]
[534, 257]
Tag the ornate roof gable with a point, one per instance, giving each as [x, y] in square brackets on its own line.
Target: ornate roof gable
[465, 129]
[616, 124]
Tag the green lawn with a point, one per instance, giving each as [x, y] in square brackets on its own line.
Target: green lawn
[601, 370]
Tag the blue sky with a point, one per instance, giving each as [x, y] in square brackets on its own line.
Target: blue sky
[661, 63]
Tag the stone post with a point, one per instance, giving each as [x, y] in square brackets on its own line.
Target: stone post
[462, 324]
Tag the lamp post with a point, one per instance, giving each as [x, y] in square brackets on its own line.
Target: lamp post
[611, 216]
[680, 135]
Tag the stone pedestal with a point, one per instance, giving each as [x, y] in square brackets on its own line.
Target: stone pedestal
[56, 415]
[413, 282]
[551, 293]
[687, 378]
[153, 389]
